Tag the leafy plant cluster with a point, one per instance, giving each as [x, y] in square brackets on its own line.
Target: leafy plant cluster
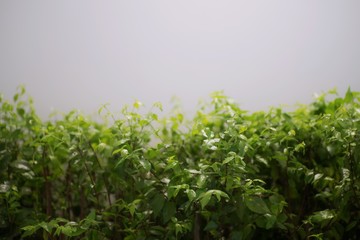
[226, 174]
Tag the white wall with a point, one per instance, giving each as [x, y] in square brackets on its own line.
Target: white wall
[83, 53]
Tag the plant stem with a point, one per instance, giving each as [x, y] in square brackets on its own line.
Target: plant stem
[106, 182]
[47, 192]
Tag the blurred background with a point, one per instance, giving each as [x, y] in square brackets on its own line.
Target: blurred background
[81, 54]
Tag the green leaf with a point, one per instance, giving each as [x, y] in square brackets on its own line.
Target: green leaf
[210, 143]
[228, 159]
[29, 230]
[256, 204]
[157, 231]
[145, 164]
[21, 165]
[292, 132]
[317, 177]
[277, 204]
[20, 111]
[46, 227]
[271, 220]
[191, 194]
[211, 226]
[157, 204]
[262, 160]
[16, 97]
[133, 205]
[349, 97]
[204, 199]
[92, 215]
[351, 226]
[178, 228]
[169, 211]
[201, 180]
[321, 216]
[118, 151]
[153, 116]
[300, 147]
[158, 105]
[219, 194]
[242, 148]
[72, 229]
[137, 104]
[174, 190]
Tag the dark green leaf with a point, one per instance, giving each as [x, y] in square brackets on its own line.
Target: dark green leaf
[256, 204]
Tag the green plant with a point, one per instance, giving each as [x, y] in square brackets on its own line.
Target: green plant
[226, 174]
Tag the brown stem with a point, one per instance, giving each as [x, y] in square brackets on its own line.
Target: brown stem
[197, 226]
[82, 203]
[68, 191]
[47, 192]
[352, 172]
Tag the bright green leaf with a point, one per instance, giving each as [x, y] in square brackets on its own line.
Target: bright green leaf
[204, 199]
[145, 164]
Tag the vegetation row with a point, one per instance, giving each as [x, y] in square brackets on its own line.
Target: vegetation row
[224, 174]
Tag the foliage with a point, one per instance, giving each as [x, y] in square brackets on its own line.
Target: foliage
[226, 174]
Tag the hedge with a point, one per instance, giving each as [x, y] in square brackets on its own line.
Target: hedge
[225, 174]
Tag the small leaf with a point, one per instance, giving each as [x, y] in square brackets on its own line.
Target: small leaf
[137, 104]
[158, 105]
[300, 147]
[317, 177]
[30, 230]
[117, 151]
[178, 228]
[21, 165]
[262, 160]
[20, 111]
[101, 147]
[191, 194]
[292, 132]
[228, 159]
[71, 230]
[193, 171]
[171, 165]
[153, 116]
[210, 143]
[219, 194]
[271, 219]
[157, 204]
[349, 97]
[132, 209]
[320, 216]
[256, 204]
[204, 199]
[351, 226]
[277, 204]
[211, 226]
[201, 181]
[145, 164]
[169, 211]
[132, 206]
[91, 215]
[4, 187]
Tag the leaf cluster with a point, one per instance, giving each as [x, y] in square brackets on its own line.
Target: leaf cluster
[225, 174]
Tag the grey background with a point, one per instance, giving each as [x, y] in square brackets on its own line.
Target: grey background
[84, 53]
